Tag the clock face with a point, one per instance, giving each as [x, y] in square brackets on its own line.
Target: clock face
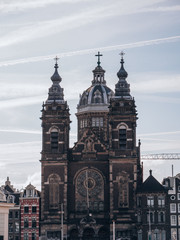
[91, 182]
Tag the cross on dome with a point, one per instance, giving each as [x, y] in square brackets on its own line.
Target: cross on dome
[98, 55]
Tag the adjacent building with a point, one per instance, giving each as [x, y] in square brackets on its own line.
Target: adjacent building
[172, 184]
[152, 210]
[4, 213]
[29, 211]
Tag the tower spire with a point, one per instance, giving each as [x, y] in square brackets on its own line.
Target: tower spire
[122, 72]
[55, 91]
[122, 88]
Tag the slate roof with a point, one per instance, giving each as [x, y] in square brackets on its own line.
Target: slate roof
[151, 185]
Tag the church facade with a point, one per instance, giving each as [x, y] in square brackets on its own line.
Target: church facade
[89, 190]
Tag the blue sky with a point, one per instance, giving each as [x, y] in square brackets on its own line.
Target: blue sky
[34, 32]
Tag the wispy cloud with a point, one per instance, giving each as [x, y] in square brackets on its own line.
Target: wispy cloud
[26, 131]
[93, 50]
[21, 102]
[163, 9]
[156, 83]
[21, 5]
[158, 133]
[83, 17]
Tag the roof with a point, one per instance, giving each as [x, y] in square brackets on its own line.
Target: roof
[151, 185]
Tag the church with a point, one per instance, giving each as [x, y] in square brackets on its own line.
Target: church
[89, 190]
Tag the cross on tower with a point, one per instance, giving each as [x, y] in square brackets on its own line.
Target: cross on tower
[98, 55]
[122, 54]
[56, 59]
[56, 64]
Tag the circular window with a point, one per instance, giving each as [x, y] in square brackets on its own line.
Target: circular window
[173, 197]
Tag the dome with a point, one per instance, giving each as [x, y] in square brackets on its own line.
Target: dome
[96, 98]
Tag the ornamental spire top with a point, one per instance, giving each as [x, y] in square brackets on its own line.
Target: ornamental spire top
[122, 72]
[56, 77]
[55, 91]
[98, 55]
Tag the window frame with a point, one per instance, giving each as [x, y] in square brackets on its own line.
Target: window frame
[26, 211]
[161, 201]
[173, 220]
[150, 201]
[172, 207]
[122, 137]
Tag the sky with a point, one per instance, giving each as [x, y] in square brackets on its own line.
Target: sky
[34, 32]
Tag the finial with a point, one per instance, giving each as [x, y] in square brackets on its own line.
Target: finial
[150, 172]
[98, 55]
[122, 54]
[56, 60]
[122, 72]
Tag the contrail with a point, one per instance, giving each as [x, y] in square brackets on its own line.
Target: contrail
[92, 50]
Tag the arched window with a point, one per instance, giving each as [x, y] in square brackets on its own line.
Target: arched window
[54, 191]
[122, 137]
[54, 139]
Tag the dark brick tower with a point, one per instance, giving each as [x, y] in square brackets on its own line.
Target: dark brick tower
[124, 157]
[55, 145]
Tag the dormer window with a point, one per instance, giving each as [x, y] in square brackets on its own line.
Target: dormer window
[97, 97]
[54, 139]
[10, 199]
[122, 137]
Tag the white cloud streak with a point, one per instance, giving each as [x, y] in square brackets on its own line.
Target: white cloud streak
[22, 5]
[93, 50]
[158, 133]
[156, 83]
[25, 131]
[21, 102]
[83, 17]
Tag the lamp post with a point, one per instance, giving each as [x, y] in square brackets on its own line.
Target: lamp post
[62, 233]
[114, 230]
[149, 233]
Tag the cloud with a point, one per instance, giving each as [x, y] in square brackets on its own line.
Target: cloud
[156, 83]
[93, 50]
[17, 102]
[26, 131]
[22, 5]
[83, 17]
[159, 133]
[163, 9]
[34, 179]
[21, 89]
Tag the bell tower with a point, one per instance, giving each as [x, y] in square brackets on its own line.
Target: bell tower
[55, 144]
[124, 157]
